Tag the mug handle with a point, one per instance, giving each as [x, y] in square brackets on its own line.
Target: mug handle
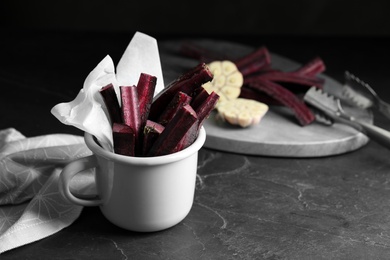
[69, 171]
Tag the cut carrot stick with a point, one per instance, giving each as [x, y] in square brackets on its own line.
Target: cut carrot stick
[130, 111]
[175, 130]
[124, 139]
[112, 103]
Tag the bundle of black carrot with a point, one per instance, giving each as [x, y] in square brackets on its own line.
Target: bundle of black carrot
[168, 123]
[266, 84]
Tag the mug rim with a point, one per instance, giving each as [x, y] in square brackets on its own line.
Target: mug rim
[155, 160]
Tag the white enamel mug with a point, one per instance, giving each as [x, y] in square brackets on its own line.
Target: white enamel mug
[141, 194]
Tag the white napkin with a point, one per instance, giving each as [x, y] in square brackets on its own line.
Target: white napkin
[31, 207]
[87, 111]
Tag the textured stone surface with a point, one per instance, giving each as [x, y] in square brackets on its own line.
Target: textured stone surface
[255, 208]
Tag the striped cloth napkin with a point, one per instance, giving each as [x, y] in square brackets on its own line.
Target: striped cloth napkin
[31, 207]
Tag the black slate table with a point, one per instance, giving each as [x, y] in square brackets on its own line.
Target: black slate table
[246, 207]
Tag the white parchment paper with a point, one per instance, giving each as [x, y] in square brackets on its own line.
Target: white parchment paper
[87, 111]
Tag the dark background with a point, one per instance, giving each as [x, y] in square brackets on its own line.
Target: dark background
[53, 45]
[198, 17]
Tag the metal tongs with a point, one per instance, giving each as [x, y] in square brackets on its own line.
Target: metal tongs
[361, 94]
[332, 108]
